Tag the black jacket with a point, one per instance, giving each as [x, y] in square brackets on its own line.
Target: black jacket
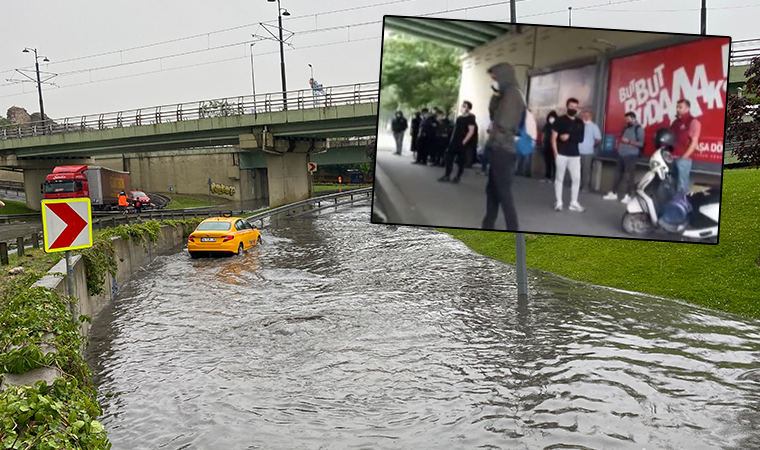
[507, 109]
[399, 124]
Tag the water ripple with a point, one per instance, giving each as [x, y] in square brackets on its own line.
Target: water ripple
[337, 333]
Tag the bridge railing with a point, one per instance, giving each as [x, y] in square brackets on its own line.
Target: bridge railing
[304, 204]
[348, 94]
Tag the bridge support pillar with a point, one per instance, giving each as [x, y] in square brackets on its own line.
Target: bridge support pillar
[33, 178]
[289, 179]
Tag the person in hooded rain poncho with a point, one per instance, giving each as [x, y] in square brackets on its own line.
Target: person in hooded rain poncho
[506, 110]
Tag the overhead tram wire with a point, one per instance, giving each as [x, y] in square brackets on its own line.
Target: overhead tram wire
[273, 52]
[306, 32]
[195, 36]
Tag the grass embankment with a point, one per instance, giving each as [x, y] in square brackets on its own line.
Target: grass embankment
[335, 187]
[14, 207]
[724, 276]
[180, 202]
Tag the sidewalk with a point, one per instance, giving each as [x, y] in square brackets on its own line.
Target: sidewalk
[418, 198]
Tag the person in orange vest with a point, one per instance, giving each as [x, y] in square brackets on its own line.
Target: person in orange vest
[123, 202]
[340, 180]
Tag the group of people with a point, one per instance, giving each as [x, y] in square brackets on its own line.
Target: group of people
[437, 141]
[569, 142]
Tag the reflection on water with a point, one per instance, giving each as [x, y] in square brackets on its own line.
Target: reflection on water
[342, 334]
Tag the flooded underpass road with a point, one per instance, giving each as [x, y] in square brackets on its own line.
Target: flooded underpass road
[340, 334]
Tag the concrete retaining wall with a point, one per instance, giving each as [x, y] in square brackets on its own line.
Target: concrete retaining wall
[130, 257]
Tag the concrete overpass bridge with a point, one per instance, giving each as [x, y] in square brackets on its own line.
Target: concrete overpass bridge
[254, 143]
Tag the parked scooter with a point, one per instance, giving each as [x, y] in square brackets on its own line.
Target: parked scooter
[657, 205]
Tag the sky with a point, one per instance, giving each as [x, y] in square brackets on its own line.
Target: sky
[120, 56]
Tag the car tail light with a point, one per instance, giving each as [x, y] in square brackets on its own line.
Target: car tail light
[190, 238]
[228, 238]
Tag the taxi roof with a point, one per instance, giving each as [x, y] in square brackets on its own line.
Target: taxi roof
[222, 219]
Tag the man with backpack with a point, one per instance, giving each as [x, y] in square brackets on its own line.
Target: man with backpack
[631, 143]
[507, 111]
[399, 126]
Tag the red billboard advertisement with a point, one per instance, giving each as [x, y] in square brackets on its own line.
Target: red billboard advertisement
[651, 83]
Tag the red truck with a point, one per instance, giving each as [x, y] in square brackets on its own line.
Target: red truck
[99, 184]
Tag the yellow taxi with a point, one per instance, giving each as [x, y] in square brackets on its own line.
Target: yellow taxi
[230, 235]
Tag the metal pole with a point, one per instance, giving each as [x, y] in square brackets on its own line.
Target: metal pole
[512, 11]
[282, 59]
[253, 81]
[569, 16]
[39, 90]
[704, 16]
[520, 256]
[70, 284]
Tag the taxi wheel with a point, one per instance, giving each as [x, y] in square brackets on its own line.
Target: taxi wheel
[240, 249]
[258, 240]
[193, 255]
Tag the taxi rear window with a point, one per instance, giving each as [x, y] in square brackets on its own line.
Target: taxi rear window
[214, 226]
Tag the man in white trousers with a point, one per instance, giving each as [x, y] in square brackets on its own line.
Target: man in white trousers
[567, 132]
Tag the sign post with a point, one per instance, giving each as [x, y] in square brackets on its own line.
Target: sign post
[67, 226]
[520, 257]
[312, 167]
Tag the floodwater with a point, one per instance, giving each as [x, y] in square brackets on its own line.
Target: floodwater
[340, 334]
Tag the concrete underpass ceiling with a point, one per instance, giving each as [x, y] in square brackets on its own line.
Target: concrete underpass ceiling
[466, 35]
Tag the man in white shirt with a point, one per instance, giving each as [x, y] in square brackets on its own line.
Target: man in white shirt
[591, 138]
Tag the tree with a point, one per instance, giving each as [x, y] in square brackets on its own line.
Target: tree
[418, 73]
[743, 118]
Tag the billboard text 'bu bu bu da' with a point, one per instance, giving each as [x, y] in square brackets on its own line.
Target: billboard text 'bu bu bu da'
[551, 130]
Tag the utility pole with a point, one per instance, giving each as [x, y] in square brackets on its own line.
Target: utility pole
[512, 11]
[704, 16]
[570, 16]
[280, 13]
[39, 86]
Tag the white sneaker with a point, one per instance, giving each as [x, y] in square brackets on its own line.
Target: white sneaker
[626, 199]
[558, 206]
[576, 207]
[610, 196]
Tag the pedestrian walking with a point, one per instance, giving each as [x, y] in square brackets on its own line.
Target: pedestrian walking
[592, 136]
[122, 202]
[506, 109]
[550, 163]
[399, 126]
[687, 130]
[567, 133]
[629, 150]
[461, 141]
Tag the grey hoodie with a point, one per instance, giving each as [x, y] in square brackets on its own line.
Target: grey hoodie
[506, 110]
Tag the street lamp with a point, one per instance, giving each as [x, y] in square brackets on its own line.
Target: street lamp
[282, 12]
[39, 84]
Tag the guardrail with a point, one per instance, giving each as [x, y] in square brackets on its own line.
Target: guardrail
[348, 94]
[8, 218]
[308, 202]
[12, 186]
[114, 220]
